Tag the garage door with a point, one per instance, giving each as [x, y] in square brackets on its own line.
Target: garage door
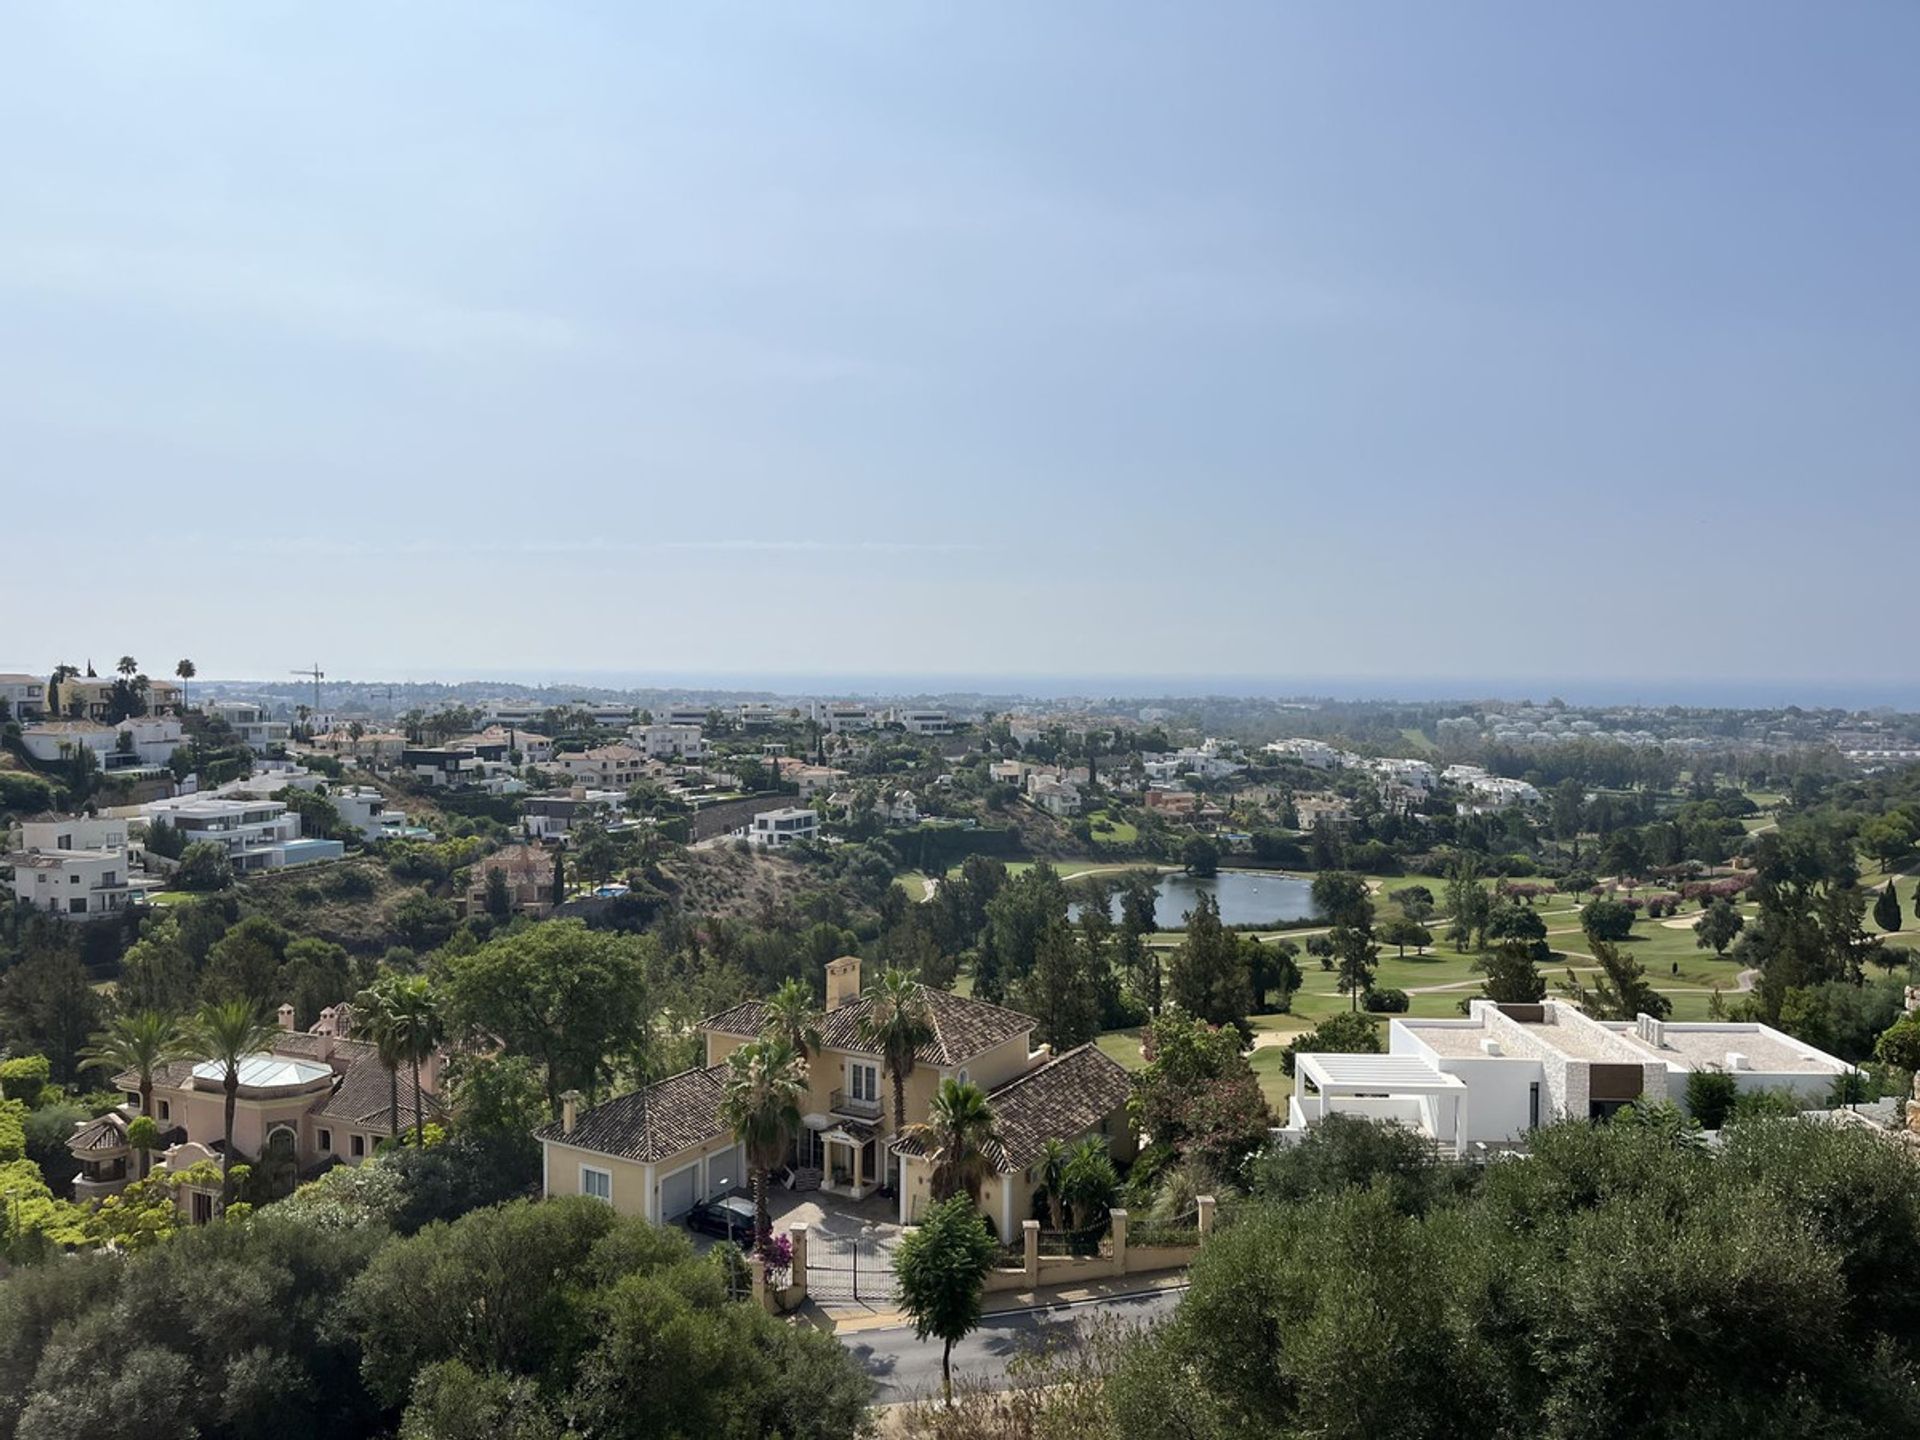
[678, 1192]
[726, 1171]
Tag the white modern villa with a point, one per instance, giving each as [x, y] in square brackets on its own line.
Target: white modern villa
[1504, 1069]
[256, 834]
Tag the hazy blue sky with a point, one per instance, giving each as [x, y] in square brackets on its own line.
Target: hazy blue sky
[1449, 340]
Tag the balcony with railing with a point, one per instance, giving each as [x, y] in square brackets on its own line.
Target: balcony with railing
[844, 1104]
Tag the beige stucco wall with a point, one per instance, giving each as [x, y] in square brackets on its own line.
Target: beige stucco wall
[203, 1114]
[994, 1068]
[1007, 1200]
[636, 1187]
[632, 1182]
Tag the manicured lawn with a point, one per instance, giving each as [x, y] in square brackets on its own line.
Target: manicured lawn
[1124, 1046]
[1068, 869]
[1118, 832]
[171, 897]
[1275, 1085]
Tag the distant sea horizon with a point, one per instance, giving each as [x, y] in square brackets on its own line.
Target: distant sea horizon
[1745, 694]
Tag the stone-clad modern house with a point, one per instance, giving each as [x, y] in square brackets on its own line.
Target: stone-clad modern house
[659, 1151]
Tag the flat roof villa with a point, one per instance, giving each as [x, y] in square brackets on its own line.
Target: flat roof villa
[256, 834]
[1506, 1069]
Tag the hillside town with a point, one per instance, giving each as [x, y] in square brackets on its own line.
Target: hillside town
[816, 970]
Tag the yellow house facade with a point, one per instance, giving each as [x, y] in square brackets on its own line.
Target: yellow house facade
[660, 1151]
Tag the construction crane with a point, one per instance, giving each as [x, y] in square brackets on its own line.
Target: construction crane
[318, 675]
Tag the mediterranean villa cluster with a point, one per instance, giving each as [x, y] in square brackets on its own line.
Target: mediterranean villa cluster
[660, 1151]
[311, 1100]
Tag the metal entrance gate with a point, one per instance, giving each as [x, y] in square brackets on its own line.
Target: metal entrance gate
[850, 1270]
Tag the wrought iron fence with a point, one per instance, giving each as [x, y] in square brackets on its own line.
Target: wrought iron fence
[1086, 1241]
[851, 1268]
[1181, 1229]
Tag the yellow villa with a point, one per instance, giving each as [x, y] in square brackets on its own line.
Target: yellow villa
[660, 1151]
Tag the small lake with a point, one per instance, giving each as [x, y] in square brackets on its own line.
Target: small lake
[1246, 897]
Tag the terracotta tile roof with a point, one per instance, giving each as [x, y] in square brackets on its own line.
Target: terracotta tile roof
[651, 1124]
[962, 1027]
[363, 1095]
[518, 861]
[1064, 1098]
[360, 1096]
[107, 1132]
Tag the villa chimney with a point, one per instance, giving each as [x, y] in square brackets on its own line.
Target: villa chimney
[325, 1027]
[843, 981]
[286, 1017]
[569, 1111]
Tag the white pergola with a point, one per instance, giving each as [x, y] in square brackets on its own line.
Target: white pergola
[1401, 1088]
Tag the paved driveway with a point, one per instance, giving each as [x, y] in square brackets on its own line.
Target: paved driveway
[906, 1368]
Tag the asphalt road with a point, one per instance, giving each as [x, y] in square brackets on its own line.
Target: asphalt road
[904, 1368]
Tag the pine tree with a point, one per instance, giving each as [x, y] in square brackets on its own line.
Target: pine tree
[1209, 977]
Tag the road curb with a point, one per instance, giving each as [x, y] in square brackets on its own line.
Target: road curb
[1066, 1298]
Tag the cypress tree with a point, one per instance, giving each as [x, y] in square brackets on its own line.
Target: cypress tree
[559, 876]
[1886, 910]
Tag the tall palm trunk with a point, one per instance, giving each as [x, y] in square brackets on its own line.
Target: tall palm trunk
[393, 1102]
[146, 1108]
[232, 1087]
[419, 1109]
[762, 1211]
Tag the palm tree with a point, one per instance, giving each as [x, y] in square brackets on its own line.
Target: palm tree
[186, 671]
[376, 1014]
[418, 1029]
[1089, 1181]
[793, 1017]
[955, 1138]
[765, 1086]
[1052, 1166]
[227, 1032]
[897, 1023]
[127, 666]
[140, 1043]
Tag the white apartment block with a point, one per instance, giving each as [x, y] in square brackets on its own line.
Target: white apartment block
[607, 765]
[72, 883]
[251, 723]
[73, 832]
[759, 715]
[26, 695]
[777, 829]
[1507, 1069]
[365, 809]
[256, 834]
[848, 719]
[924, 722]
[1057, 797]
[1315, 753]
[1488, 792]
[142, 746]
[668, 741]
[1412, 774]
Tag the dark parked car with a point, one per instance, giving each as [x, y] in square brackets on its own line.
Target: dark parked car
[728, 1216]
